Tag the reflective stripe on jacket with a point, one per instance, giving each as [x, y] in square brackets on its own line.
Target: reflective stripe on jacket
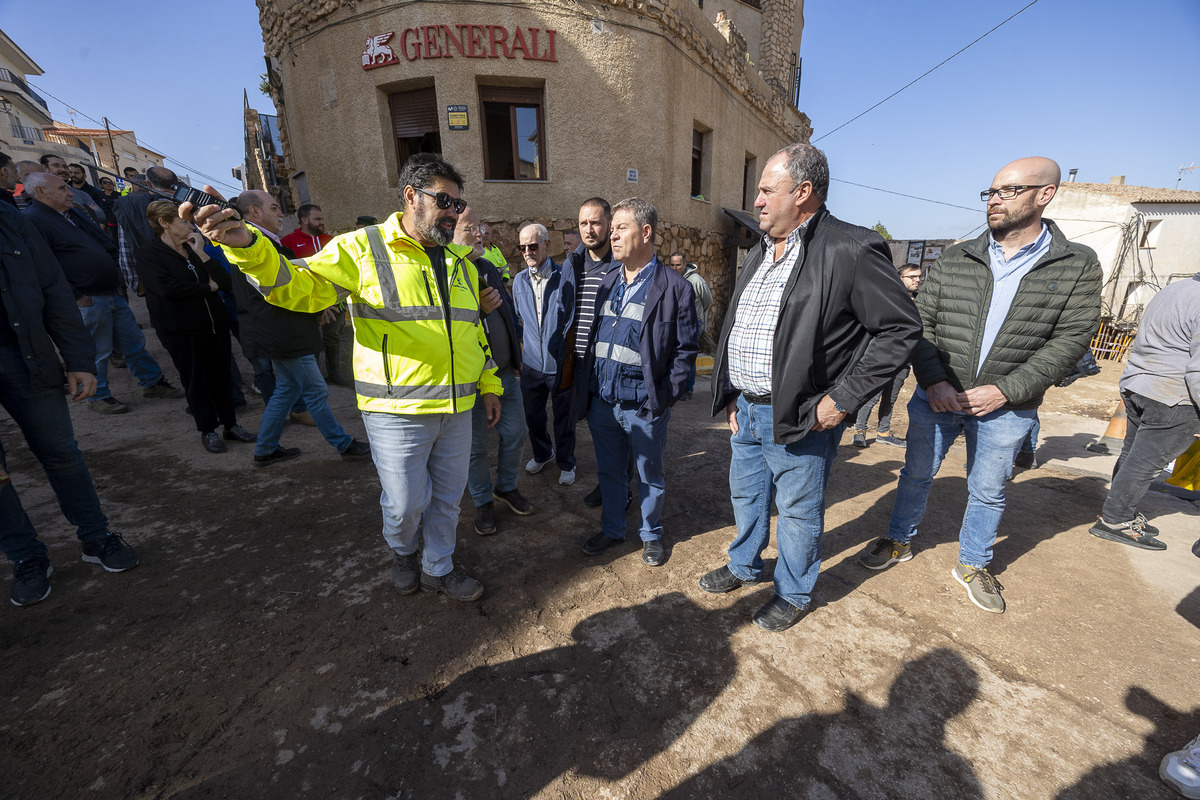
[408, 358]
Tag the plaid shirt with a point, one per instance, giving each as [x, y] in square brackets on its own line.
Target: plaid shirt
[126, 260]
[752, 338]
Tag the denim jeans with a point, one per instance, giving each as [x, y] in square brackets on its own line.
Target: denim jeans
[44, 420]
[1031, 439]
[886, 400]
[298, 378]
[422, 461]
[511, 432]
[535, 389]
[992, 443]
[794, 477]
[113, 327]
[264, 381]
[617, 431]
[1154, 434]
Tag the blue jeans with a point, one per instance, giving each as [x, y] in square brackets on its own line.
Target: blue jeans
[617, 431]
[422, 461]
[44, 420]
[1029, 445]
[298, 378]
[511, 431]
[794, 477]
[264, 381]
[113, 327]
[992, 443]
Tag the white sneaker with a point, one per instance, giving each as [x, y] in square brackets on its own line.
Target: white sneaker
[566, 477]
[534, 466]
[1181, 769]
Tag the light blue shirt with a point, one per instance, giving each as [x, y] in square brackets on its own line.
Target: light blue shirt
[1006, 277]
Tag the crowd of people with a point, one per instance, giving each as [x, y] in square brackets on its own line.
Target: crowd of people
[451, 341]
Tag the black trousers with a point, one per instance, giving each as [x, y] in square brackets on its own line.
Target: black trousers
[1154, 434]
[535, 389]
[203, 362]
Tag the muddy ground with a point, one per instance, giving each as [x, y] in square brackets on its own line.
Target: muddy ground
[260, 650]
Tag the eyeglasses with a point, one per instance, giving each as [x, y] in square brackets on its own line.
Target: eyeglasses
[1008, 192]
[529, 248]
[445, 201]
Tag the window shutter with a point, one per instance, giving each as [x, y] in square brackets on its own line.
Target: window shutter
[414, 113]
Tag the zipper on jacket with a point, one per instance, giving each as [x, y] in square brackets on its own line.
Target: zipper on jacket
[450, 338]
[387, 371]
[428, 291]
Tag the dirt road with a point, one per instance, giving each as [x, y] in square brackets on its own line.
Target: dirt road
[259, 650]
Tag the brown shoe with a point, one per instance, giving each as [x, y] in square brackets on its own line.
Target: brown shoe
[302, 418]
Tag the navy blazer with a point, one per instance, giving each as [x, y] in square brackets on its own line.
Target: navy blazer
[669, 341]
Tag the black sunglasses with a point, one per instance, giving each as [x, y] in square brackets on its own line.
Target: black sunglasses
[532, 248]
[445, 201]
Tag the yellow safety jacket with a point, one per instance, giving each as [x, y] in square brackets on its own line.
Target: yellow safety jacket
[496, 256]
[408, 358]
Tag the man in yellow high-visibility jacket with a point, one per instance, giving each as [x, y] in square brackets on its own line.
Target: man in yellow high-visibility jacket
[421, 356]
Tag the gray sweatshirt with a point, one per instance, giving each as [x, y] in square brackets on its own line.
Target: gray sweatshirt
[1164, 363]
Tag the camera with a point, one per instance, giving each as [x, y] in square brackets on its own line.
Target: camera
[198, 199]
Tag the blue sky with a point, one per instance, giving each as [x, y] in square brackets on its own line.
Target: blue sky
[1103, 86]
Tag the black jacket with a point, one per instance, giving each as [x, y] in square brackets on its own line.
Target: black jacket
[268, 331]
[87, 255]
[178, 296]
[846, 326]
[130, 212]
[489, 273]
[38, 305]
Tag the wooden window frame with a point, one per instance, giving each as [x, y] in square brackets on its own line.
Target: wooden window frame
[514, 97]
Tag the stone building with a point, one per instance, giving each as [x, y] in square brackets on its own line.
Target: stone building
[541, 105]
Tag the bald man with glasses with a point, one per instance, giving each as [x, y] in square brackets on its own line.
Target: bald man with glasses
[1006, 315]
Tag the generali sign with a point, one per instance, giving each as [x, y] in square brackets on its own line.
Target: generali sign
[470, 41]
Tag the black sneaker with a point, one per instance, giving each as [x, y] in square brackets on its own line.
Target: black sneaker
[406, 572]
[162, 390]
[110, 552]
[456, 584]
[592, 498]
[599, 543]
[31, 581]
[883, 553]
[485, 524]
[356, 450]
[860, 440]
[1132, 533]
[1026, 460]
[212, 442]
[278, 454]
[894, 441]
[109, 405]
[515, 501]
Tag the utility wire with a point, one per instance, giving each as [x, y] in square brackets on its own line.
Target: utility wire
[213, 181]
[902, 194]
[927, 72]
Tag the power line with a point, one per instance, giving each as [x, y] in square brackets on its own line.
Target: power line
[902, 194]
[927, 72]
[213, 181]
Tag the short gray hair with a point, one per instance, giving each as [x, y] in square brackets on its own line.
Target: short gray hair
[806, 163]
[642, 212]
[543, 234]
[39, 180]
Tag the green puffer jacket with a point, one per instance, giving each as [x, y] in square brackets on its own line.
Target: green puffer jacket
[1049, 326]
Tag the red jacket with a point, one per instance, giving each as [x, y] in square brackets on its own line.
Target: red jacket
[304, 245]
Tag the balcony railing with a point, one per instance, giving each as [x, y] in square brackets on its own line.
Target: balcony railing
[22, 132]
[11, 77]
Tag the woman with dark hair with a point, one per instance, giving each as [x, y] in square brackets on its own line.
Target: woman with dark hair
[182, 285]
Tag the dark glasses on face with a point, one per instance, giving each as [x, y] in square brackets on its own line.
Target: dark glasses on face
[445, 201]
[528, 248]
